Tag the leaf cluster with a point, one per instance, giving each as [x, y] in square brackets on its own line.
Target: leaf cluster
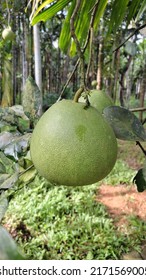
[89, 15]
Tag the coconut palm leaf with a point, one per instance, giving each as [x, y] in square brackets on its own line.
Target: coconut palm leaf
[65, 36]
[82, 24]
[120, 10]
[132, 9]
[141, 9]
[99, 13]
[50, 11]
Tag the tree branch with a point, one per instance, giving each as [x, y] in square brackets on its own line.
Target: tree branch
[131, 35]
[141, 147]
[138, 109]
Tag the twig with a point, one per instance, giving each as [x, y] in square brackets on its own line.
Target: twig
[141, 147]
[93, 10]
[68, 80]
[137, 109]
[131, 35]
[21, 173]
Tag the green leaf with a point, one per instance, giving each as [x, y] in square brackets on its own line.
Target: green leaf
[81, 30]
[140, 180]
[50, 11]
[43, 5]
[141, 10]
[9, 182]
[131, 48]
[125, 124]
[8, 248]
[17, 147]
[5, 138]
[28, 176]
[132, 9]
[65, 36]
[3, 205]
[118, 12]
[99, 13]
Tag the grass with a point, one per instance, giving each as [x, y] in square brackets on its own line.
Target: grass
[58, 222]
[51, 222]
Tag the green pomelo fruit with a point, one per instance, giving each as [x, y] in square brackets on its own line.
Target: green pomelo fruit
[98, 99]
[8, 34]
[94, 83]
[73, 146]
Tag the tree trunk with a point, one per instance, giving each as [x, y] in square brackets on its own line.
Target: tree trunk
[37, 56]
[142, 92]
[100, 66]
[122, 80]
[37, 59]
[117, 64]
[7, 98]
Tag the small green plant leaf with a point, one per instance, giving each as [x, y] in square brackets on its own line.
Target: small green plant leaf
[3, 205]
[49, 12]
[5, 138]
[17, 147]
[10, 182]
[8, 248]
[28, 176]
[140, 180]
[131, 48]
[125, 124]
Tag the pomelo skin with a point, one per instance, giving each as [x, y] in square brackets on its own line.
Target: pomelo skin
[98, 99]
[73, 146]
[8, 34]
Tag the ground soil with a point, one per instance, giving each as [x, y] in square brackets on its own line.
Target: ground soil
[123, 201]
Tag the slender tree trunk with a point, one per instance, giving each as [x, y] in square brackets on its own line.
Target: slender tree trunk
[7, 99]
[142, 92]
[117, 64]
[37, 56]
[24, 51]
[37, 59]
[122, 80]
[100, 67]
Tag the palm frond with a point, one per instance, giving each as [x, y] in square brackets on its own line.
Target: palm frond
[141, 10]
[132, 9]
[119, 9]
[50, 11]
[65, 36]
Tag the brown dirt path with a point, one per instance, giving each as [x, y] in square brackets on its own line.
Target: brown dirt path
[122, 201]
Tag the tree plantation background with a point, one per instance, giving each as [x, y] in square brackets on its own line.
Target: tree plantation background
[120, 71]
[56, 50]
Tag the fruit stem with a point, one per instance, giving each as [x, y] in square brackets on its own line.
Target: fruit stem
[78, 94]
